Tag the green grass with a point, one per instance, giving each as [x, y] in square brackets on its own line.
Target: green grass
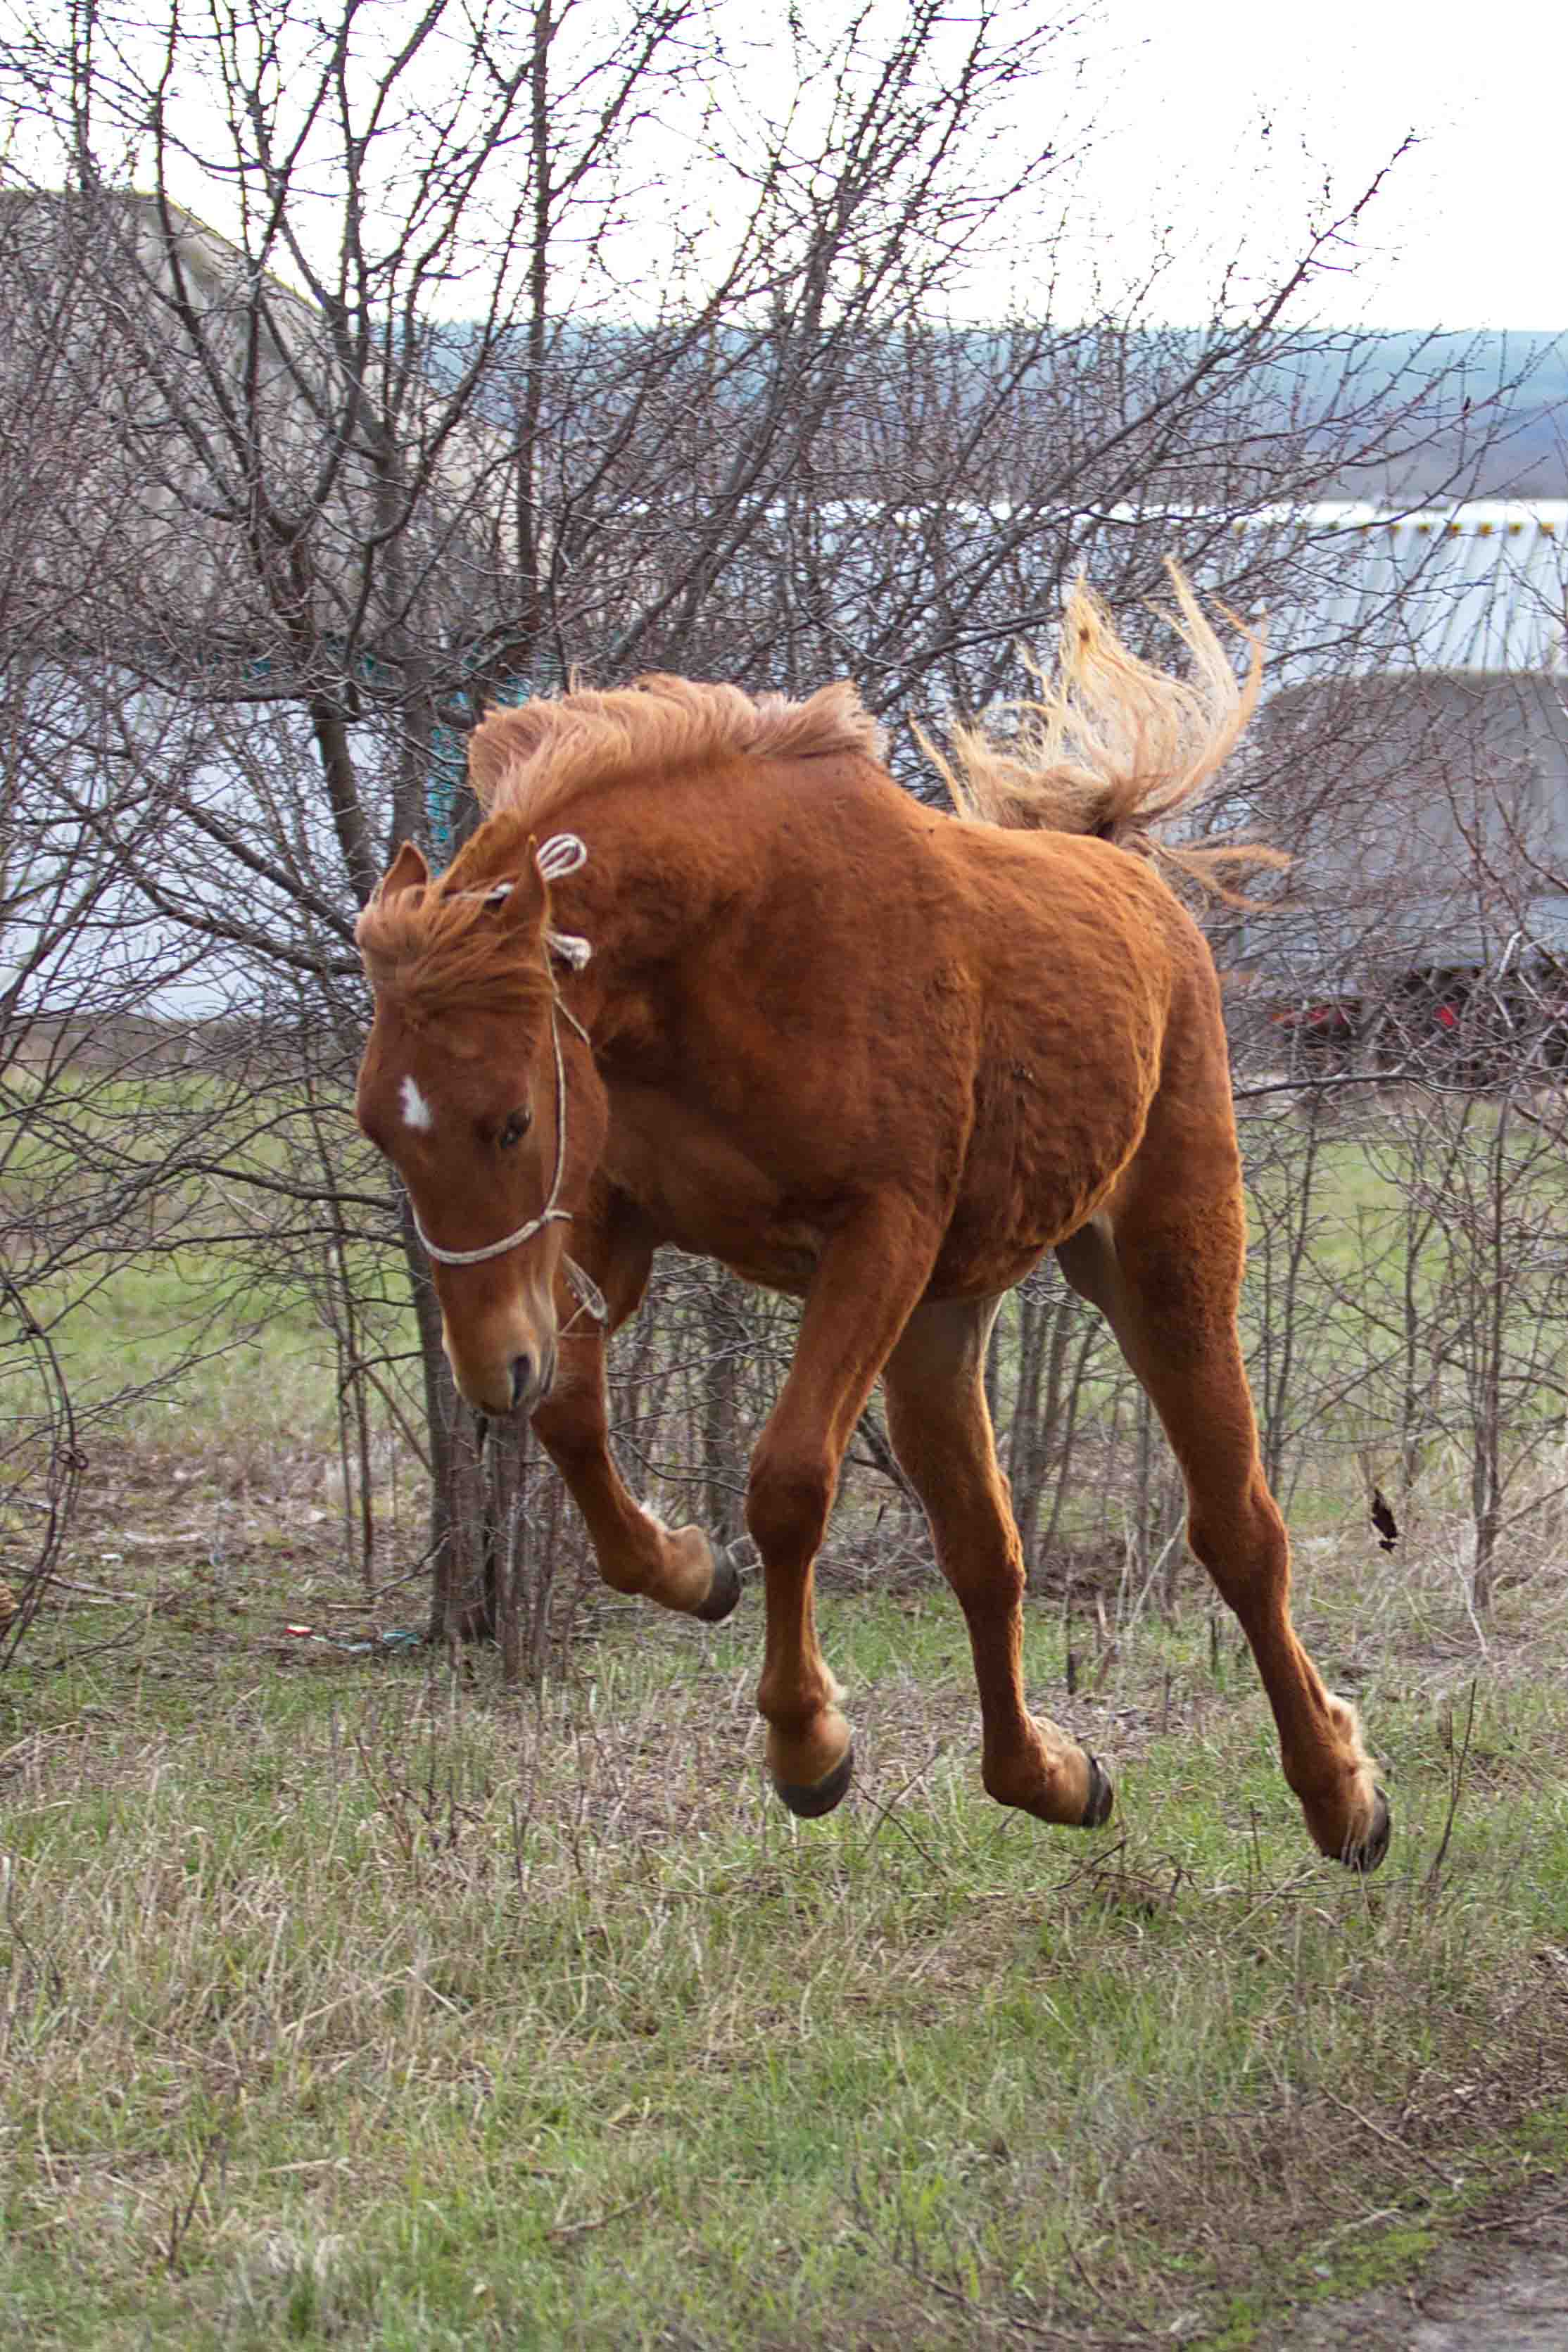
[353, 1999]
[357, 2004]
[245, 1341]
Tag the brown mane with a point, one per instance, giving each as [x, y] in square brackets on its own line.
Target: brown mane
[437, 944]
[527, 762]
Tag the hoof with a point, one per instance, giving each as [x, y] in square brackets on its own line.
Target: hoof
[1101, 1796]
[1374, 1845]
[810, 1803]
[722, 1593]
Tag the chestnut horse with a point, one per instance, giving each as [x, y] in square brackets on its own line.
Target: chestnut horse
[705, 976]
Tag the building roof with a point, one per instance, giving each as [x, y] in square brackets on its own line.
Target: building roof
[1481, 585]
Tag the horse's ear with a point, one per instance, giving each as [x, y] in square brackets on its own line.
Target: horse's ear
[408, 871]
[521, 899]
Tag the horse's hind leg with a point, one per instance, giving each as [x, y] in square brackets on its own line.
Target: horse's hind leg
[1168, 1286]
[636, 1552]
[940, 1429]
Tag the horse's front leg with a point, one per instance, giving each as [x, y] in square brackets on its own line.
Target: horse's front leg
[677, 1567]
[867, 1282]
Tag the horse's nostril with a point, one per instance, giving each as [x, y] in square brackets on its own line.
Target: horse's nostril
[522, 1377]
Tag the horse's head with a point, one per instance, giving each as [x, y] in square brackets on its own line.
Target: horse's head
[476, 1084]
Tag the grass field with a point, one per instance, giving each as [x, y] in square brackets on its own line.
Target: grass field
[348, 1998]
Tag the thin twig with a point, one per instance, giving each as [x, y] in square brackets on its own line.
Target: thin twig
[179, 2223]
[1390, 2139]
[564, 2230]
[1456, 1783]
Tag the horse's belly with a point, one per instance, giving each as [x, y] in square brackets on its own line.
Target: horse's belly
[781, 1269]
[782, 1261]
[1043, 1157]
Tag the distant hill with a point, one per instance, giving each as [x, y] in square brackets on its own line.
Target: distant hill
[1503, 431]
[1480, 456]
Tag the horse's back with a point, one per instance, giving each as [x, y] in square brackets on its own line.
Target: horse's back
[1027, 998]
[876, 997]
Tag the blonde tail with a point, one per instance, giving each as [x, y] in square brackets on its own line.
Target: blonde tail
[1113, 746]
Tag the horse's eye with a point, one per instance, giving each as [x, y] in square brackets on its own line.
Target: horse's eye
[515, 1127]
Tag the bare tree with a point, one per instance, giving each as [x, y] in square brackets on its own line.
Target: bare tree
[76, 976]
[523, 341]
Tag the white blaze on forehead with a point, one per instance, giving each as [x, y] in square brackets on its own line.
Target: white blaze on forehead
[416, 1109]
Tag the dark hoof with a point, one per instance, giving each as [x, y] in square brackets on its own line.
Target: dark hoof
[1101, 1796]
[1370, 1852]
[722, 1593]
[813, 1803]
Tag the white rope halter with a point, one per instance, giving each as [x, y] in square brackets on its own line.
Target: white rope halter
[562, 854]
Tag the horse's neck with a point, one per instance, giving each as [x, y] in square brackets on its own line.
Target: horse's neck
[654, 880]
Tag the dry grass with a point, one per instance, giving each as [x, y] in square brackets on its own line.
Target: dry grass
[348, 1998]
[351, 2000]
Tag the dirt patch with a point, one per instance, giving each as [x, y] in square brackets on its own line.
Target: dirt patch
[1502, 2284]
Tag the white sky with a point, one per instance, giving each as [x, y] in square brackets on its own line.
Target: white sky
[1227, 124]
[1472, 230]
